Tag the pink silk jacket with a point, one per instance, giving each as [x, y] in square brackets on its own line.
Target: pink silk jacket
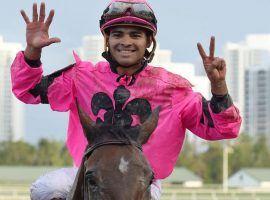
[95, 88]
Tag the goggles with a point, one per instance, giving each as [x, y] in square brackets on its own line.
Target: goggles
[118, 9]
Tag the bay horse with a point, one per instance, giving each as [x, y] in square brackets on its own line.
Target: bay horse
[114, 166]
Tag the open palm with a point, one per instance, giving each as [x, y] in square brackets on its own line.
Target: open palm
[37, 30]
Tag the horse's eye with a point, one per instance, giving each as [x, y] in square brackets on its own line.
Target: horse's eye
[92, 185]
[90, 179]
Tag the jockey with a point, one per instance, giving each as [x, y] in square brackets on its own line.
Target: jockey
[129, 28]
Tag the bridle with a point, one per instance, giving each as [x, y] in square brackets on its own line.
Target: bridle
[138, 136]
[92, 147]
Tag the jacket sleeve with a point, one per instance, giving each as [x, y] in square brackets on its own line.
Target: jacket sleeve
[31, 87]
[211, 120]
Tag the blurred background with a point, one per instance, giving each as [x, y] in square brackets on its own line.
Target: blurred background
[32, 137]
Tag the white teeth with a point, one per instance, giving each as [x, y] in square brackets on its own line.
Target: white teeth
[126, 51]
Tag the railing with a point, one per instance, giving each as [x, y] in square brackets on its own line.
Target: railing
[14, 192]
[173, 192]
[169, 192]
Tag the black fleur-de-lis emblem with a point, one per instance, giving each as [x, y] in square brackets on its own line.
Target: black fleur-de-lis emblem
[120, 115]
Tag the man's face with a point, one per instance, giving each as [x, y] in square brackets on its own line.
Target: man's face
[127, 45]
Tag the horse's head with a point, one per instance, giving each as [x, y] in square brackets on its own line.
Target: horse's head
[114, 166]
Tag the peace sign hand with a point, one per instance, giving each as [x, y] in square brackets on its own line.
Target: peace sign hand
[37, 31]
[215, 68]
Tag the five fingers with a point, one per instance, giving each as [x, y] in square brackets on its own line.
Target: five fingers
[40, 17]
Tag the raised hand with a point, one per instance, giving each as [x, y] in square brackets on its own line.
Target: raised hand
[37, 32]
[215, 68]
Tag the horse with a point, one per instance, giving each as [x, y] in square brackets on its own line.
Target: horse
[114, 166]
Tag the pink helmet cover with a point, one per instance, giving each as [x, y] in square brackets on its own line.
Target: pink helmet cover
[129, 20]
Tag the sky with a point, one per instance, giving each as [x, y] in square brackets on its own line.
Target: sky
[181, 24]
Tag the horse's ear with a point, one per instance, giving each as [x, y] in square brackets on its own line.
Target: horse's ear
[148, 127]
[89, 126]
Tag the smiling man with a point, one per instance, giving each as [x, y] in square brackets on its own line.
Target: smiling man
[127, 45]
[123, 92]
